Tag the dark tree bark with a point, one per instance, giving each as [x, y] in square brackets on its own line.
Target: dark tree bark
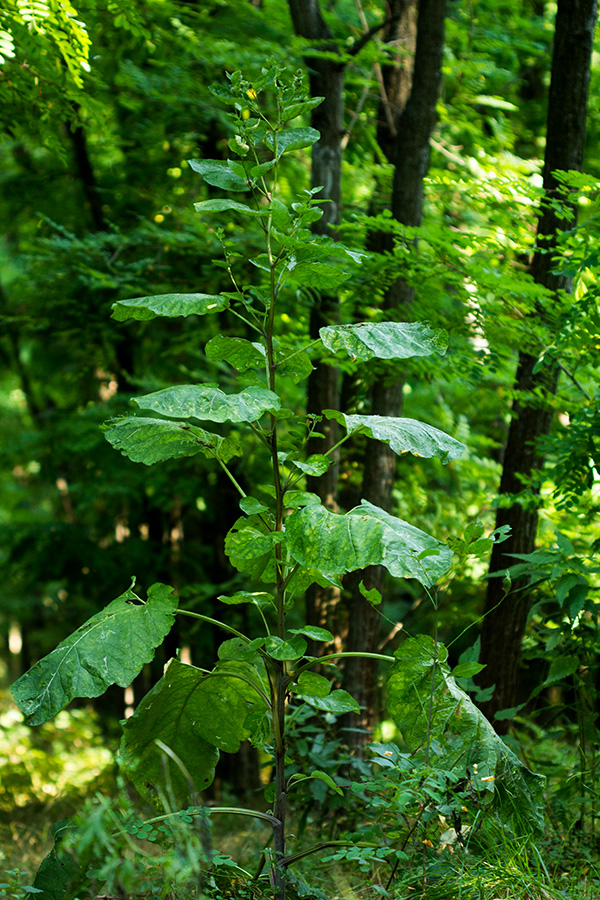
[505, 619]
[326, 80]
[413, 122]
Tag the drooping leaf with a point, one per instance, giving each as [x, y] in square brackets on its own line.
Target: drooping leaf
[228, 175]
[385, 340]
[363, 537]
[315, 464]
[149, 441]
[190, 401]
[258, 598]
[238, 352]
[249, 546]
[169, 713]
[404, 435]
[427, 704]
[59, 873]
[110, 648]
[169, 305]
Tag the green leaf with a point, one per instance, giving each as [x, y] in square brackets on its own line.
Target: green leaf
[298, 109]
[385, 340]
[427, 705]
[297, 367]
[149, 441]
[59, 874]
[291, 139]
[238, 352]
[227, 175]
[404, 435]
[313, 632]
[336, 702]
[170, 712]
[322, 776]
[169, 305]
[315, 464]
[252, 507]
[110, 648]
[310, 684]
[295, 499]
[371, 595]
[223, 205]
[467, 669]
[249, 546]
[190, 401]
[258, 598]
[365, 536]
[291, 650]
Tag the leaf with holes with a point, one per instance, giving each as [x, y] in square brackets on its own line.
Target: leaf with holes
[385, 340]
[190, 401]
[149, 441]
[403, 435]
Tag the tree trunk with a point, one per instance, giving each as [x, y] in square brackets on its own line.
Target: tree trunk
[505, 619]
[404, 135]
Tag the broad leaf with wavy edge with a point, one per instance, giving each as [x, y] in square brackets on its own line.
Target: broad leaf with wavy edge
[168, 305]
[190, 401]
[403, 435]
[110, 648]
[149, 441]
[169, 713]
[462, 735]
[385, 340]
[365, 536]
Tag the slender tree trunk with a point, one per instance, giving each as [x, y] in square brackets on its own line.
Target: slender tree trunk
[506, 618]
[404, 133]
[326, 80]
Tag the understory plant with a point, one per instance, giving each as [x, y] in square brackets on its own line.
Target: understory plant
[283, 541]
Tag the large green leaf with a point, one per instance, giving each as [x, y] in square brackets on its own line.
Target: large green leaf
[170, 712]
[428, 705]
[289, 139]
[385, 340]
[238, 352]
[150, 441]
[59, 874]
[404, 435]
[365, 536]
[228, 175]
[189, 401]
[169, 305]
[110, 648]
